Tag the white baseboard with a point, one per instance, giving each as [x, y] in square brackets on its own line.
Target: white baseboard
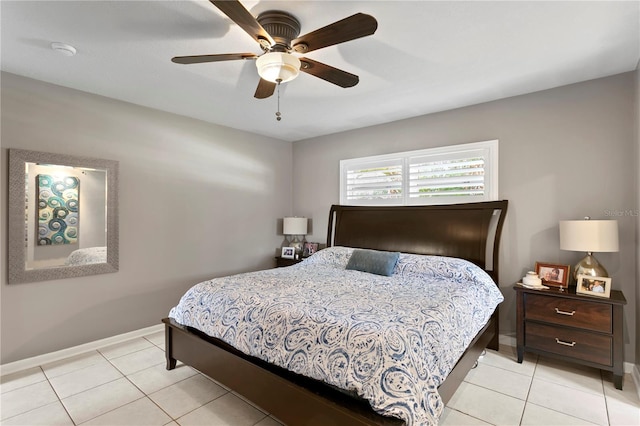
[35, 361]
[636, 379]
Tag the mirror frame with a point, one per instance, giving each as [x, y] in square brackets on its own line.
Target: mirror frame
[17, 272]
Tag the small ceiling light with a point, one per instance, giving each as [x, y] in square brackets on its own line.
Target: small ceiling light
[64, 49]
[278, 67]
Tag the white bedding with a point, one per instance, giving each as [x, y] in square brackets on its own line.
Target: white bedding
[87, 256]
[391, 340]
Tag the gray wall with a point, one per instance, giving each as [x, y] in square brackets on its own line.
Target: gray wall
[196, 201]
[564, 153]
[182, 219]
[637, 114]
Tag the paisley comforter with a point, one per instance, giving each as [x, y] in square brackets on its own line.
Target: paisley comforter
[391, 340]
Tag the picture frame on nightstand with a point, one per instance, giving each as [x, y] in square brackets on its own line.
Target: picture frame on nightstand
[309, 249]
[594, 286]
[288, 252]
[553, 275]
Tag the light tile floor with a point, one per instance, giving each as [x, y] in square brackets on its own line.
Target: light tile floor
[127, 384]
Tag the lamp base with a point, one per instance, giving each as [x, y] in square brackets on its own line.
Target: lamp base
[590, 266]
[285, 242]
[298, 244]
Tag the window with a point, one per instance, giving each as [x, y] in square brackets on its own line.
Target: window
[445, 175]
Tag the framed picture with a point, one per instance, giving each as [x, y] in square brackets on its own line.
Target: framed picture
[288, 252]
[594, 286]
[553, 275]
[309, 249]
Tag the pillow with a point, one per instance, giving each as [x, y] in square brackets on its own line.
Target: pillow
[335, 256]
[440, 268]
[373, 261]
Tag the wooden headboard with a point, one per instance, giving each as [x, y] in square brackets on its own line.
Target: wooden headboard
[469, 231]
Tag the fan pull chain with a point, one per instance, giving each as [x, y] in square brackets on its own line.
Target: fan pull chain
[278, 114]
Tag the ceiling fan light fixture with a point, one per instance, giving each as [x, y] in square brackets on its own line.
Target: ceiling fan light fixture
[278, 66]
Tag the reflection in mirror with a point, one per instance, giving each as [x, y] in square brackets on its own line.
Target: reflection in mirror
[63, 219]
[67, 217]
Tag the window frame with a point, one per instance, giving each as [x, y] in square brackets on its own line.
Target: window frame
[490, 154]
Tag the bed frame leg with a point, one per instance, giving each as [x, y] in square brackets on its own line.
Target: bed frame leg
[494, 343]
[168, 348]
[171, 362]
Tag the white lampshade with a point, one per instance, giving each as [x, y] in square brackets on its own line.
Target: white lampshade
[294, 226]
[274, 66]
[589, 235]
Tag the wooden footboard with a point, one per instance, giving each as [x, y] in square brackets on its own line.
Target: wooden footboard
[293, 399]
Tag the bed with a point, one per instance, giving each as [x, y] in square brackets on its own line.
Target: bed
[468, 232]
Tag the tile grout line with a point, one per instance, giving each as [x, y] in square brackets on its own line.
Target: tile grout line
[499, 392]
[53, 389]
[604, 393]
[198, 373]
[111, 381]
[567, 387]
[197, 408]
[261, 418]
[572, 388]
[146, 395]
[113, 409]
[151, 399]
[526, 401]
[64, 407]
[47, 379]
[472, 416]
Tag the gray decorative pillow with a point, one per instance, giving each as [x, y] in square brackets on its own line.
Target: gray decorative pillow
[373, 261]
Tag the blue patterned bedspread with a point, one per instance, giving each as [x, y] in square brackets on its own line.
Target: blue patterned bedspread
[391, 340]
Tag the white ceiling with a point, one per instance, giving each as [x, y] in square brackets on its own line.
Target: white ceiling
[425, 56]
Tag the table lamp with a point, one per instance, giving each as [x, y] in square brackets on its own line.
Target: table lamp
[589, 236]
[296, 228]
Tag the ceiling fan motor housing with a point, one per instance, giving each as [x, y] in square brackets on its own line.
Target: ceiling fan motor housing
[282, 27]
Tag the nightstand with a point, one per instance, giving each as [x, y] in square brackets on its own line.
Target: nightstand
[582, 329]
[282, 261]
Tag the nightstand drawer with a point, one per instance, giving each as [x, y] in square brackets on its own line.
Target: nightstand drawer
[574, 313]
[578, 344]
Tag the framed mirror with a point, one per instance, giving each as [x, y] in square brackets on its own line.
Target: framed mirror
[63, 216]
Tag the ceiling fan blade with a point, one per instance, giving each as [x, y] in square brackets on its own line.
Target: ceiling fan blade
[198, 59]
[328, 73]
[265, 89]
[351, 28]
[245, 20]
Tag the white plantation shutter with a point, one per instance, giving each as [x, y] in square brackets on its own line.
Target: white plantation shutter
[378, 181]
[453, 174]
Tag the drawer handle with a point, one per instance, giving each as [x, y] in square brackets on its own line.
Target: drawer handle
[560, 342]
[558, 311]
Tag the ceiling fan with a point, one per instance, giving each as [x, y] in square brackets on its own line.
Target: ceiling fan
[277, 33]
